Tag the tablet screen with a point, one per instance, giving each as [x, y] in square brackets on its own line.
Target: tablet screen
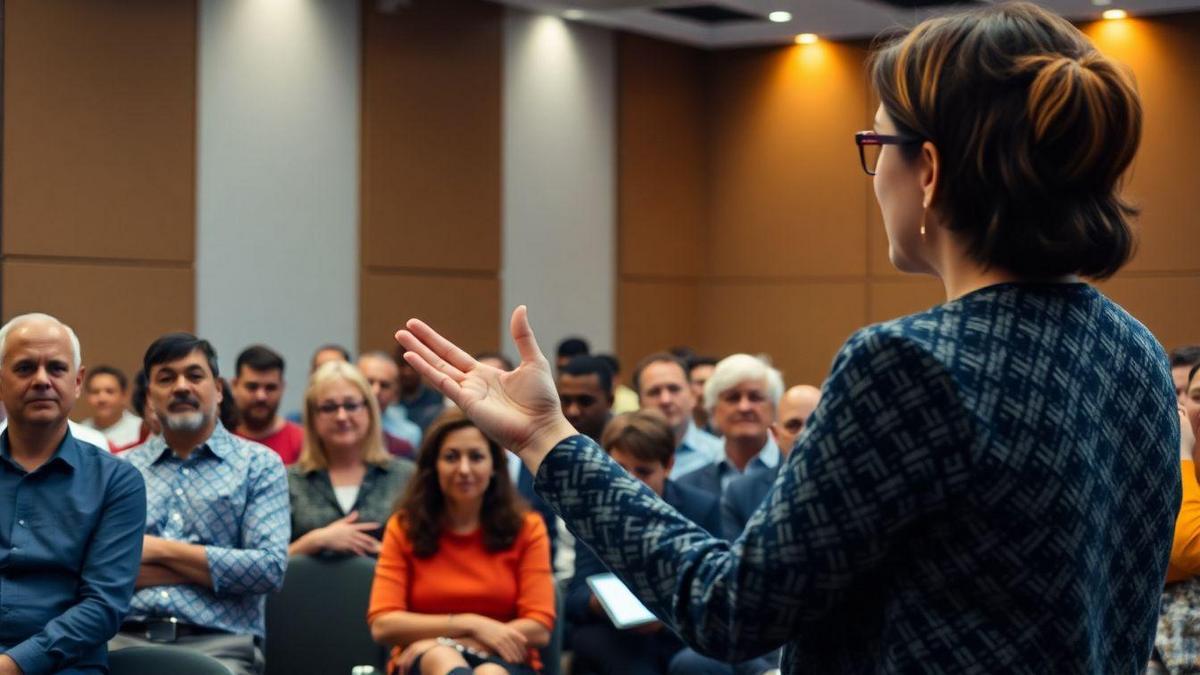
[621, 605]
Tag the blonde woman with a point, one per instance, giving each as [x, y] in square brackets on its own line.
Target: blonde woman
[345, 483]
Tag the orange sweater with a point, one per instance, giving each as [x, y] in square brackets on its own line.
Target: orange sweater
[464, 577]
[1185, 550]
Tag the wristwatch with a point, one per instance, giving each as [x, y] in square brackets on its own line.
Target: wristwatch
[461, 648]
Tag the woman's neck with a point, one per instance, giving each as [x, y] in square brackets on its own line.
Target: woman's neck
[462, 517]
[342, 458]
[961, 274]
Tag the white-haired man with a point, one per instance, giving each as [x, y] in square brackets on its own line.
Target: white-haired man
[71, 514]
[741, 396]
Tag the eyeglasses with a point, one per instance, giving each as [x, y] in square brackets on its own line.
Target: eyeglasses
[870, 144]
[350, 407]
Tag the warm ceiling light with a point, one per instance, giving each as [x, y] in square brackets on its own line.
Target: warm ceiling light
[780, 17]
[1115, 14]
[573, 14]
[807, 39]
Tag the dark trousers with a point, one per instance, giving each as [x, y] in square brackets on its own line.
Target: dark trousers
[601, 649]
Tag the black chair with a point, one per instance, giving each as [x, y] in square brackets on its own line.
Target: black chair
[159, 660]
[551, 654]
[318, 622]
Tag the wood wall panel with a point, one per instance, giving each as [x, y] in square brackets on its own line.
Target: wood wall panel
[787, 191]
[431, 136]
[800, 325]
[99, 129]
[662, 158]
[1162, 52]
[889, 299]
[116, 310]
[467, 308]
[656, 315]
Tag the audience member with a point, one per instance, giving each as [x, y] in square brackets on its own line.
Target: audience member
[495, 360]
[661, 383]
[1177, 640]
[1183, 359]
[345, 484]
[741, 397]
[585, 392]
[1191, 398]
[400, 435]
[72, 515]
[326, 353]
[643, 444]
[258, 389]
[624, 399]
[464, 575]
[568, 348]
[699, 370]
[420, 404]
[138, 400]
[227, 409]
[217, 526]
[745, 493]
[106, 390]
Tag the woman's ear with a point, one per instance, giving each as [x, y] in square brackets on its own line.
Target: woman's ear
[931, 166]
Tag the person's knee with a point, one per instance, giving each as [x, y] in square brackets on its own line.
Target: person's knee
[438, 660]
[490, 669]
[690, 662]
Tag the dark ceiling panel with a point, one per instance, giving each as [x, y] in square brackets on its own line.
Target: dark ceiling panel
[911, 4]
[709, 14]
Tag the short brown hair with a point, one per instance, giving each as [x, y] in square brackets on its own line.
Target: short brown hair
[1034, 129]
[643, 434]
[656, 357]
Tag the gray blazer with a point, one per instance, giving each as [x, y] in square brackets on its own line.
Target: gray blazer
[314, 504]
[741, 500]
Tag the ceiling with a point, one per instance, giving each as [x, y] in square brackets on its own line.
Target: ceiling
[831, 19]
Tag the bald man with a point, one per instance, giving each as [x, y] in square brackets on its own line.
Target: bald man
[72, 514]
[745, 493]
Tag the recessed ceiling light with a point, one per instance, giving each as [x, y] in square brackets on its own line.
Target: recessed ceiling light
[1115, 14]
[807, 39]
[573, 14]
[780, 17]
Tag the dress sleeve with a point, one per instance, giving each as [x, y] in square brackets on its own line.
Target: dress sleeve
[389, 590]
[888, 446]
[535, 581]
[1185, 549]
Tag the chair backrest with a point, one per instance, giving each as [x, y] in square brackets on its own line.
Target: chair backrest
[158, 660]
[318, 622]
[551, 654]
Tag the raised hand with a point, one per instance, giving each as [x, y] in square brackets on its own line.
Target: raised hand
[519, 409]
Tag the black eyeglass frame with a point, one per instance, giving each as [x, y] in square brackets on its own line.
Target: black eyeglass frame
[865, 138]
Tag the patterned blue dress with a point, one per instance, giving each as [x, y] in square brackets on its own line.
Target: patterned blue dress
[989, 486]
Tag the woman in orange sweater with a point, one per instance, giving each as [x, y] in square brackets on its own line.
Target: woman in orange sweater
[463, 583]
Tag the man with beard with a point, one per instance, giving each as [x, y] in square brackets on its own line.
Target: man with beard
[257, 389]
[217, 520]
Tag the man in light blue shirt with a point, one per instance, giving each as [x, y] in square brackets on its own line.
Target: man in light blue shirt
[661, 382]
[217, 521]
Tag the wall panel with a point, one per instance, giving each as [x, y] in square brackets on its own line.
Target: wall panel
[464, 308]
[656, 315]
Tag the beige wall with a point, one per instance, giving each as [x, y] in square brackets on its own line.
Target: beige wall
[99, 170]
[430, 198]
[744, 159]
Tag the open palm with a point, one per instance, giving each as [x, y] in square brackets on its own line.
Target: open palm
[519, 409]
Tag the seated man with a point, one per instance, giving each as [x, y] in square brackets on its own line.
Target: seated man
[745, 493]
[741, 396]
[106, 390]
[71, 514]
[585, 390]
[258, 389]
[218, 521]
[662, 384]
[643, 445]
[400, 435]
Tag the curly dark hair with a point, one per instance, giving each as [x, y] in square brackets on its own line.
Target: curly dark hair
[421, 507]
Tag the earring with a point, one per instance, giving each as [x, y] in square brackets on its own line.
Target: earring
[925, 207]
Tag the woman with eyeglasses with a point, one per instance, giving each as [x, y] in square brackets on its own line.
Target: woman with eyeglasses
[345, 482]
[989, 486]
[463, 584]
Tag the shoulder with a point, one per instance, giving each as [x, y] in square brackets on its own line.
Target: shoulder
[688, 500]
[533, 527]
[400, 467]
[87, 435]
[114, 469]
[699, 477]
[293, 430]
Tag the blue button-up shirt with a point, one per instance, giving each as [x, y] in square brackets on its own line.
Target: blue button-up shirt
[697, 450]
[70, 549]
[231, 496]
[765, 460]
